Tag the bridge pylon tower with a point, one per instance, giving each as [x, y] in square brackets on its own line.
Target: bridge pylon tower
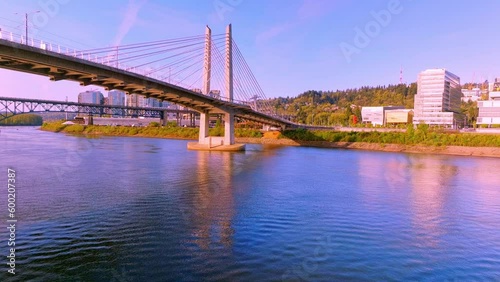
[205, 141]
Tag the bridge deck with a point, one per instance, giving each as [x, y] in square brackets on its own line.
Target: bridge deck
[57, 66]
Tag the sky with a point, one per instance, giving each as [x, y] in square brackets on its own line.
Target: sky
[291, 45]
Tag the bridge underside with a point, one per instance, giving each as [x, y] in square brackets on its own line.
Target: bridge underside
[58, 66]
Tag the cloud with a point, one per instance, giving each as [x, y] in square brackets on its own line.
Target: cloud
[315, 8]
[129, 20]
[310, 9]
[273, 32]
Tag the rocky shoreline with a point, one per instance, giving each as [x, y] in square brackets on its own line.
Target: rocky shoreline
[418, 149]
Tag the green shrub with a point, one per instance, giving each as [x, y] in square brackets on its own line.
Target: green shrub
[74, 128]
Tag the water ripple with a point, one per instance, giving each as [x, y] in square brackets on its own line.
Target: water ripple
[137, 209]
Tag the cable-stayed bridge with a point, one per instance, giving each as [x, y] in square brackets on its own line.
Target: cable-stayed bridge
[207, 73]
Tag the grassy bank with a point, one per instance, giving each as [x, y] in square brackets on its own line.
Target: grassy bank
[153, 130]
[422, 136]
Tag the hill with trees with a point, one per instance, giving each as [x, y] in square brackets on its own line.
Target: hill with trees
[338, 107]
[343, 107]
[24, 119]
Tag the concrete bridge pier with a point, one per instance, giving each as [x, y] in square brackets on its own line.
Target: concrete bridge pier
[164, 118]
[90, 119]
[204, 128]
[229, 128]
[216, 143]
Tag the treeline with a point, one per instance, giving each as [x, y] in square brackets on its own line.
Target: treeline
[338, 107]
[152, 130]
[24, 120]
[422, 135]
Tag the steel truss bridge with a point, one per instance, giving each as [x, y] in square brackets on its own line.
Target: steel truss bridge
[15, 106]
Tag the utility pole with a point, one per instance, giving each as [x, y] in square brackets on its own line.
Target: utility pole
[26, 22]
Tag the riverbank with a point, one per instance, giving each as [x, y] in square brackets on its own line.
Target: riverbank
[414, 149]
[22, 120]
[419, 141]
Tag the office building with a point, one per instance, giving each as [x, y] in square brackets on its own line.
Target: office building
[91, 97]
[472, 95]
[152, 103]
[116, 98]
[376, 115]
[438, 99]
[489, 111]
[135, 100]
[399, 116]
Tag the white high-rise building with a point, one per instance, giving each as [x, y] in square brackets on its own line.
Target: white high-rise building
[438, 99]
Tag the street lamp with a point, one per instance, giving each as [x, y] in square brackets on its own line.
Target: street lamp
[26, 22]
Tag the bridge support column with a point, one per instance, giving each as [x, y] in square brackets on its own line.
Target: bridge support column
[164, 118]
[91, 120]
[216, 143]
[228, 129]
[204, 127]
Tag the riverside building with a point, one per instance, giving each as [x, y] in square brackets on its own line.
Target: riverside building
[438, 99]
[489, 111]
[91, 97]
[376, 115]
[116, 98]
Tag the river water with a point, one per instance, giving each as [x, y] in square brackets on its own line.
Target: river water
[141, 209]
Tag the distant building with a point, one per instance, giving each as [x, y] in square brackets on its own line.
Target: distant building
[491, 86]
[400, 116]
[473, 94]
[116, 98]
[495, 95]
[91, 97]
[494, 86]
[152, 103]
[438, 99]
[135, 100]
[489, 111]
[215, 94]
[376, 115]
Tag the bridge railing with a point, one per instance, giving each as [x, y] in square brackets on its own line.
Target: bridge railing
[57, 48]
